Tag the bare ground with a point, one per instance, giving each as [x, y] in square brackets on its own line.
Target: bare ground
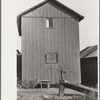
[39, 94]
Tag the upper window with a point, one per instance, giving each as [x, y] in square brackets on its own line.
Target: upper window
[49, 23]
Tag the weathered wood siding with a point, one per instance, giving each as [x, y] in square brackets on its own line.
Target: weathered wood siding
[37, 41]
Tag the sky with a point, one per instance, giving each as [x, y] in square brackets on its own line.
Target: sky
[88, 27]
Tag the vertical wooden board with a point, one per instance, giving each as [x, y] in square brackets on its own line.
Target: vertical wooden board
[29, 43]
[49, 71]
[73, 51]
[63, 42]
[60, 46]
[47, 49]
[34, 13]
[48, 6]
[38, 46]
[24, 59]
[60, 38]
[57, 74]
[60, 31]
[52, 32]
[60, 41]
[70, 50]
[55, 26]
[67, 50]
[46, 72]
[78, 53]
[41, 31]
[49, 39]
[46, 38]
[64, 48]
[60, 13]
[28, 48]
[53, 11]
[45, 45]
[57, 44]
[55, 70]
[41, 11]
[42, 57]
[55, 48]
[53, 73]
[38, 12]
[50, 50]
[27, 51]
[23, 49]
[65, 13]
[31, 50]
[45, 12]
[34, 49]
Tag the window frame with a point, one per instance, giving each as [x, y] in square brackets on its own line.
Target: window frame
[47, 56]
[49, 22]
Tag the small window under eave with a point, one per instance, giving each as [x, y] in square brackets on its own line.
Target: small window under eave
[49, 23]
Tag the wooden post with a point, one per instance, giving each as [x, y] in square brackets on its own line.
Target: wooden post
[61, 87]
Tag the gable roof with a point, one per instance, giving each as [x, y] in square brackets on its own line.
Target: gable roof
[87, 51]
[40, 4]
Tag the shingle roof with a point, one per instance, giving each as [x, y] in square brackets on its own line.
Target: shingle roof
[40, 4]
[88, 50]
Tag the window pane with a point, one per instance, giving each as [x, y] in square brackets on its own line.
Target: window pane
[49, 22]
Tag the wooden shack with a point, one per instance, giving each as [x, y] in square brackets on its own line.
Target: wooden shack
[89, 66]
[49, 41]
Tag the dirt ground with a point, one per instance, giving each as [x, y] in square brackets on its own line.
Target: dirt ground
[39, 94]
